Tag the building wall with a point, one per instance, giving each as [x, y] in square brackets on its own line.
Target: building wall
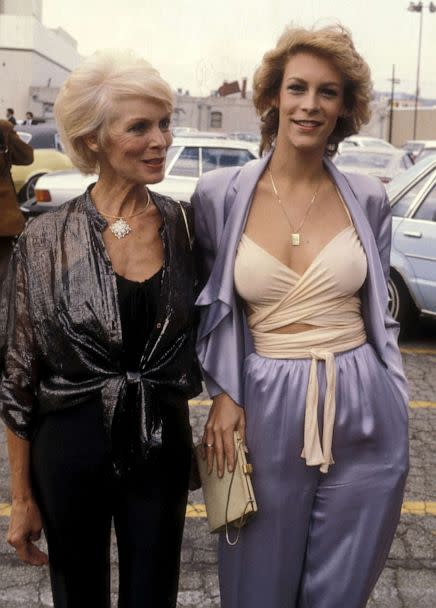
[237, 114]
[31, 55]
[22, 7]
[402, 125]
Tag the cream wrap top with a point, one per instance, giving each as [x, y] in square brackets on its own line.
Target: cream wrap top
[326, 297]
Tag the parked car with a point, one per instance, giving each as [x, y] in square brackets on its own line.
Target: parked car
[412, 283]
[48, 156]
[187, 159]
[427, 149]
[364, 141]
[245, 136]
[381, 162]
[414, 146]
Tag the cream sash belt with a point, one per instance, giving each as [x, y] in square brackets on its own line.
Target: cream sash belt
[325, 297]
[315, 451]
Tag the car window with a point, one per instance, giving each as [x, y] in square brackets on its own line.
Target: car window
[171, 153]
[401, 181]
[402, 205]
[187, 165]
[427, 152]
[427, 209]
[214, 158]
[43, 139]
[378, 161]
[26, 137]
[58, 143]
[407, 161]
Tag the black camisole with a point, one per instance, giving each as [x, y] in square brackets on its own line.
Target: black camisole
[138, 305]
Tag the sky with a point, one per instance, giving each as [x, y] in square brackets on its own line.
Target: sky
[197, 44]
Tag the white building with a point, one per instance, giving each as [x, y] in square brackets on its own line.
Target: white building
[34, 60]
[214, 113]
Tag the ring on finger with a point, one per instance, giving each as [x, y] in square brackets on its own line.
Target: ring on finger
[208, 445]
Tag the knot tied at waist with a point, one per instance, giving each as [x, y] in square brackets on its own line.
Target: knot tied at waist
[313, 452]
[316, 451]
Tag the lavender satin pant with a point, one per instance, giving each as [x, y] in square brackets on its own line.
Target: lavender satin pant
[318, 540]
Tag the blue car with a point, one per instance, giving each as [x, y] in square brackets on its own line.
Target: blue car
[412, 283]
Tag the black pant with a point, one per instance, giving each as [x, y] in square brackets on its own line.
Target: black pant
[79, 496]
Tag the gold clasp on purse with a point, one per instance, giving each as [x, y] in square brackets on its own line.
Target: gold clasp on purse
[247, 468]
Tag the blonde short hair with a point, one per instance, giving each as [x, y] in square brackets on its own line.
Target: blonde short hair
[88, 98]
[333, 43]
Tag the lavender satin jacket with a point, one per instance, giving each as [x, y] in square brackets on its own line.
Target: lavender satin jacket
[222, 201]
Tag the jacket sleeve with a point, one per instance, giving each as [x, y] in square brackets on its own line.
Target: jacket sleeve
[393, 355]
[18, 381]
[205, 250]
[222, 342]
[205, 256]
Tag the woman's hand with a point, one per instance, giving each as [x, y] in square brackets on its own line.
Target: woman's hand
[225, 417]
[25, 527]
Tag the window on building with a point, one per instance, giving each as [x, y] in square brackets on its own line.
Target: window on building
[216, 120]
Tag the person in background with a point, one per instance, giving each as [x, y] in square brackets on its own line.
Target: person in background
[297, 345]
[10, 116]
[99, 360]
[29, 119]
[13, 151]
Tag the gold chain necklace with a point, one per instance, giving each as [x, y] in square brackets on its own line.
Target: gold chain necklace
[295, 234]
[121, 228]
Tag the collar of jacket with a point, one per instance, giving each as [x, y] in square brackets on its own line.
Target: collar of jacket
[218, 292]
[99, 222]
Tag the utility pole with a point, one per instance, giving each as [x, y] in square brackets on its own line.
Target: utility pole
[418, 7]
[393, 81]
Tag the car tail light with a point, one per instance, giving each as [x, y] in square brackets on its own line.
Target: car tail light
[42, 196]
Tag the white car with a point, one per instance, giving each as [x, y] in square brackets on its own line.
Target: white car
[187, 159]
[363, 141]
[428, 148]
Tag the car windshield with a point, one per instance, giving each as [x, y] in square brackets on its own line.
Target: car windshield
[425, 152]
[376, 161]
[171, 153]
[401, 181]
[214, 158]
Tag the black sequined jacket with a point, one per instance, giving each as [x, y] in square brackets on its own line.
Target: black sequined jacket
[60, 322]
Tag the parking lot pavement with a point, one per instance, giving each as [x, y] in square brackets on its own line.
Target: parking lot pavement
[409, 579]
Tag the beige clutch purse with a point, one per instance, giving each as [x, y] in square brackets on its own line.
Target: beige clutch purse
[230, 499]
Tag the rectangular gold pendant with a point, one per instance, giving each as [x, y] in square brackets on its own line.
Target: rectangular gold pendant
[295, 238]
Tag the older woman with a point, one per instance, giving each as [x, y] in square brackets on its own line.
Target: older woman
[99, 359]
[296, 342]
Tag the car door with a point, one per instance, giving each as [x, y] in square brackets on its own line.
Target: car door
[415, 237]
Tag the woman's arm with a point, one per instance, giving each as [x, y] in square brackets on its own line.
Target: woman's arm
[17, 399]
[25, 524]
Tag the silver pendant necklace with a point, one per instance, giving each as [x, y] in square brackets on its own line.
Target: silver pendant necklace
[295, 233]
[121, 227]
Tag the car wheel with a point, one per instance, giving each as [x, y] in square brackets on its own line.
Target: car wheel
[401, 305]
[28, 190]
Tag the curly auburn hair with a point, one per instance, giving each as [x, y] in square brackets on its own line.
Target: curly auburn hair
[333, 43]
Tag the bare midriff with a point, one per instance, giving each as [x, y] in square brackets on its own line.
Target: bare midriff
[292, 328]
